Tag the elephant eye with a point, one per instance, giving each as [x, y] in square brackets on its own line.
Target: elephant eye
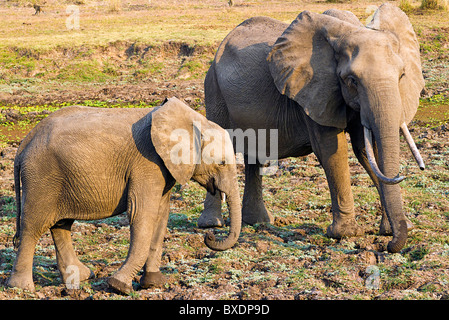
[351, 82]
[402, 75]
[222, 163]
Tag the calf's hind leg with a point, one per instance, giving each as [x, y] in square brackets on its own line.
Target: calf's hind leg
[71, 269]
[143, 214]
[22, 272]
[32, 226]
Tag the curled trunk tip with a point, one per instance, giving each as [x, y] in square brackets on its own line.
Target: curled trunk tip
[235, 215]
[220, 245]
[399, 239]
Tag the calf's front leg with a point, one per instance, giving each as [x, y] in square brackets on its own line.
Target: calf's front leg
[143, 209]
[152, 275]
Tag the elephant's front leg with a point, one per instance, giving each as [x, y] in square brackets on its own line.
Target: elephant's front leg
[211, 216]
[152, 275]
[143, 209]
[331, 148]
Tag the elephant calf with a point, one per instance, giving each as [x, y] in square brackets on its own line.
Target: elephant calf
[92, 163]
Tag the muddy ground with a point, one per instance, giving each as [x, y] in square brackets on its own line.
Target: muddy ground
[291, 259]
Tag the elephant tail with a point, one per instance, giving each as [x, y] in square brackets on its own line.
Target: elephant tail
[15, 240]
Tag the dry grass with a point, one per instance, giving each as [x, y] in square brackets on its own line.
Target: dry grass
[101, 22]
[435, 4]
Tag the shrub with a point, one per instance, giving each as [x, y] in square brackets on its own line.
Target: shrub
[406, 6]
[435, 4]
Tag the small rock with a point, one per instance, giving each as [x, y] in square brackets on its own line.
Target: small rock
[262, 246]
[40, 295]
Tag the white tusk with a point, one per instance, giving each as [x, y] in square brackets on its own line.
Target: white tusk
[372, 160]
[412, 145]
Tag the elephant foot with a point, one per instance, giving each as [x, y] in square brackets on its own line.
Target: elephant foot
[152, 279]
[252, 214]
[211, 216]
[344, 228]
[78, 272]
[385, 228]
[21, 281]
[210, 219]
[119, 285]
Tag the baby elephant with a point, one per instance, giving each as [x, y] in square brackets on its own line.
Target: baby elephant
[85, 163]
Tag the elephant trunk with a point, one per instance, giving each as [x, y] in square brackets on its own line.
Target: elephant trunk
[390, 194]
[235, 215]
[372, 160]
[381, 123]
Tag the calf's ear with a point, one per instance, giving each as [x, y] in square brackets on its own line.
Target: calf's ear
[176, 136]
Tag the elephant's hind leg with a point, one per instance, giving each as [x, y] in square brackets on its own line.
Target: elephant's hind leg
[71, 269]
[22, 272]
[253, 207]
[30, 232]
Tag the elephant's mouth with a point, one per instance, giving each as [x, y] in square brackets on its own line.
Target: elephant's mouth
[372, 160]
[211, 186]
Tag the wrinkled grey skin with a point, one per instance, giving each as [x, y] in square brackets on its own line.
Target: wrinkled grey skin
[313, 80]
[85, 163]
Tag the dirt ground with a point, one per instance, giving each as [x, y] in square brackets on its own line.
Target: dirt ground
[291, 259]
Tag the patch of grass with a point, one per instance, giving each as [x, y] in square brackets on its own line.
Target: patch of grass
[406, 6]
[433, 111]
[435, 4]
[8, 207]
[418, 253]
[85, 71]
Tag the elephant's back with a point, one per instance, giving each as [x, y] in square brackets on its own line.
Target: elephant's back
[240, 63]
[242, 71]
[79, 123]
[257, 31]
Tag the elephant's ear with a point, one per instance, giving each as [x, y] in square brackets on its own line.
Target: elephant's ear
[176, 136]
[303, 66]
[390, 18]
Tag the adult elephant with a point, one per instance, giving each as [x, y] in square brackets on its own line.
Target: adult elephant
[313, 80]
